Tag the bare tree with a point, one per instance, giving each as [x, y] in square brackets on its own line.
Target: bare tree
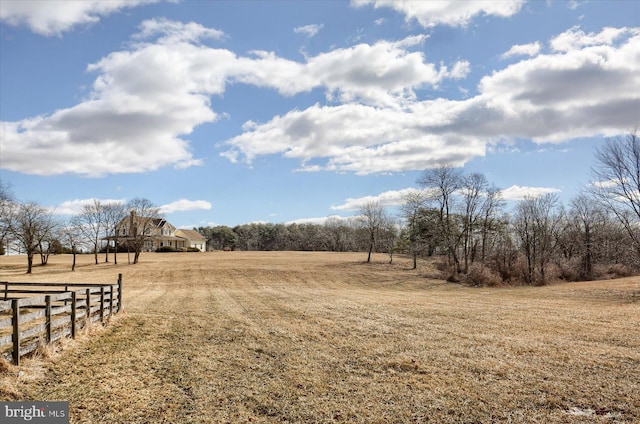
[537, 221]
[49, 243]
[143, 215]
[373, 219]
[616, 182]
[587, 219]
[72, 238]
[473, 189]
[388, 237]
[337, 234]
[413, 207]
[92, 223]
[492, 207]
[114, 213]
[445, 181]
[8, 208]
[33, 224]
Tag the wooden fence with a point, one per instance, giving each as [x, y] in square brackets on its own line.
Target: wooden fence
[32, 314]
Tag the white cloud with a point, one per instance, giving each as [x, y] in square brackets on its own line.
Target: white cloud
[46, 17]
[585, 91]
[516, 192]
[321, 220]
[387, 198]
[530, 49]
[384, 74]
[576, 39]
[184, 205]
[573, 4]
[358, 138]
[308, 30]
[452, 12]
[74, 207]
[169, 32]
[134, 119]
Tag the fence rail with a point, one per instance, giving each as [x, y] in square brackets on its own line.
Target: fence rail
[33, 314]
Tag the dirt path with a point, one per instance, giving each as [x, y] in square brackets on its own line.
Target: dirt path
[279, 337]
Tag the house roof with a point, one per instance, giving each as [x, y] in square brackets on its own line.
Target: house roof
[190, 234]
[160, 222]
[157, 222]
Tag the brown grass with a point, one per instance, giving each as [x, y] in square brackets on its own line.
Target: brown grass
[323, 337]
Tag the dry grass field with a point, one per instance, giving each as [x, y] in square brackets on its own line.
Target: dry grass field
[323, 337]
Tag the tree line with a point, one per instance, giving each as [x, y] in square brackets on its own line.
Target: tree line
[335, 235]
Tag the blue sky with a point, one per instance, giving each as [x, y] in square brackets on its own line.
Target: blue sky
[224, 113]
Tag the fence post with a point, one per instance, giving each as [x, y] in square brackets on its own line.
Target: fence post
[16, 331]
[47, 312]
[6, 289]
[73, 315]
[102, 304]
[119, 292]
[87, 316]
[110, 300]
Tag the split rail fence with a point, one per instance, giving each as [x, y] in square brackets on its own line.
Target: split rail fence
[33, 314]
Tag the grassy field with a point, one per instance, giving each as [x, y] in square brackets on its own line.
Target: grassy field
[323, 337]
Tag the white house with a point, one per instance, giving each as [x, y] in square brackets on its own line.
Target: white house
[159, 233]
[193, 239]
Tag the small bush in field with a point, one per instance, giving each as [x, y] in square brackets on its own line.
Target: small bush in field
[165, 249]
[615, 271]
[481, 275]
[453, 277]
[570, 270]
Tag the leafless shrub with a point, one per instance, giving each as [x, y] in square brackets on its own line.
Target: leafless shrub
[571, 270]
[481, 275]
[607, 272]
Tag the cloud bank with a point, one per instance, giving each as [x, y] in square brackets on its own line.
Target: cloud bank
[148, 98]
[586, 86]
